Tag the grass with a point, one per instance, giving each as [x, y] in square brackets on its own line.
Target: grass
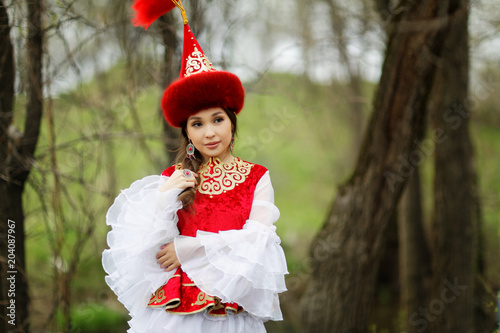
[94, 318]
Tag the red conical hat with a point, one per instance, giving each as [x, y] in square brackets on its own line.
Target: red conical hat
[199, 86]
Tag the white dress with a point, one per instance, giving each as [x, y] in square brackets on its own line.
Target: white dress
[245, 266]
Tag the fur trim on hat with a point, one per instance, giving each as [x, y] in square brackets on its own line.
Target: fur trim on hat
[201, 91]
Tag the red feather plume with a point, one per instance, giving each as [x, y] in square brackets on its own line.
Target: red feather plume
[148, 11]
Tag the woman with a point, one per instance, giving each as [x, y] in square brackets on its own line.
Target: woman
[195, 249]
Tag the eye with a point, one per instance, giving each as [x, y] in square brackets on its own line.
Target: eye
[219, 119]
[196, 124]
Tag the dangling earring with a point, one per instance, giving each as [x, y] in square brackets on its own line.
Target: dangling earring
[232, 145]
[190, 150]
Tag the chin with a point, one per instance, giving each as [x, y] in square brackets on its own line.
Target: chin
[218, 154]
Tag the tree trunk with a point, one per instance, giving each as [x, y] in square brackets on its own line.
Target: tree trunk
[454, 224]
[347, 251]
[354, 87]
[16, 287]
[17, 160]
[414, 257]
[7, 74]
[34, 49]
[171, 72]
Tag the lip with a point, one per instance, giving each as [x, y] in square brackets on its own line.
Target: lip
[212, 145]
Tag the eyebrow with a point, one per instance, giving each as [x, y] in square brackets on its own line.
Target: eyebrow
[198, 118]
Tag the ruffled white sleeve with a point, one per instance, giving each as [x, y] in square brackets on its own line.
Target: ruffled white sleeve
[245, 266]
[142, 219]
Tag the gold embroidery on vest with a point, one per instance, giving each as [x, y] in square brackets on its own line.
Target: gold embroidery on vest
[159, 297]
[217, 177]
[202, 298]
[218, 304]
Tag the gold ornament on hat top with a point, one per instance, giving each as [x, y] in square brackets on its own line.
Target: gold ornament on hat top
[178, 4]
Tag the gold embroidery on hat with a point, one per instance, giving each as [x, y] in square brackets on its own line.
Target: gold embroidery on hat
[217, 177]
[197, 62]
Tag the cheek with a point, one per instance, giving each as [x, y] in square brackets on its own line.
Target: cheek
[228, 131]
[193, 135]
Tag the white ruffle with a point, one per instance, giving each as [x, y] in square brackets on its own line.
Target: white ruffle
[142, 219]
[158, 321]
[244, 266]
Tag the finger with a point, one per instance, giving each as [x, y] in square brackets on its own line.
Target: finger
[172, 267]
[170, 262]
[164, 261]
[162, 257]
[180, 175]
[166, 264]
[161, 253]
[161, 260]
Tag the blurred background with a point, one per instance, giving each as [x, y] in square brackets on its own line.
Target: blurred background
[83, 121]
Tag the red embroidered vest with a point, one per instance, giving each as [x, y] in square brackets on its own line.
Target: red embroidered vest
[223, 201]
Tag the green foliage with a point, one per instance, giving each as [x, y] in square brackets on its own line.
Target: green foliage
[94, 318]
[487, 149]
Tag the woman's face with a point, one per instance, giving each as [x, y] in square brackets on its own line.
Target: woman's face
[210, 130]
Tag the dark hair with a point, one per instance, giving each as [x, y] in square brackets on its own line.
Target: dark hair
[193, 164]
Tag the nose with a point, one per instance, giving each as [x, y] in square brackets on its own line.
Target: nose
[209, 133]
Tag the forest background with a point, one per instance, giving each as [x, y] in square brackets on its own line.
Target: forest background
[310, 70]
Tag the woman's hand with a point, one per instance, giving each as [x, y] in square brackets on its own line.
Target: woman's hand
[181, 179]
[167, 258]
